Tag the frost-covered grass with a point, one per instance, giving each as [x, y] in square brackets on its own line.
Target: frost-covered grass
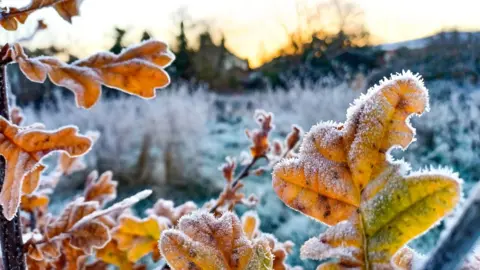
[187, 136]
[145, 142]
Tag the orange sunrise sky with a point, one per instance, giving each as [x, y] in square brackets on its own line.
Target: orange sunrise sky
[250, 26]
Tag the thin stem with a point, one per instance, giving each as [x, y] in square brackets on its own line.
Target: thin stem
[33, 221]
[244, 173]
[10, 230]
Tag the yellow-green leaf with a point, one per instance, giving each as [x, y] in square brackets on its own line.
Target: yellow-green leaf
[404, 208]
[337, 161]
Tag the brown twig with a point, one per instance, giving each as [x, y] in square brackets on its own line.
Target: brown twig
[33, 221]
[10, 230]
[244, 173]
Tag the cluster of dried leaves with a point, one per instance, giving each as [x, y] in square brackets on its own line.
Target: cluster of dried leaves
[260, 149]
[86, 229]
[344, 178]
[214, 237]
[11, 17]
[87, 235]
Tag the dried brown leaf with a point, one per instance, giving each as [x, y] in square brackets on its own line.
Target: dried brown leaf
[89, 236]
[203, 242]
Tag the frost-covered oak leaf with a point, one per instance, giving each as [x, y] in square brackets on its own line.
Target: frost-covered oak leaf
[102, 190]
[11, 17]
[72, 214]
[167, 209]
[68, 165]
[89, 236]
[139, 237]
[138, 70]
[111, 254]
[204, 242]
[45, 251]
[337, 161]
[23, 149]
[395, 211]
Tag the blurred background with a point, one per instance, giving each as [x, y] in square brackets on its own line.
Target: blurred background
[303, 60]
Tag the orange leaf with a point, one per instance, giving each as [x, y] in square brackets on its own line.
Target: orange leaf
[250, 223]
[102, 189]
[84, 83]
[68, 165]
[138, 237]
[9, 18]
[68, 9]
[73, 258]
[33, 69]
[23, 148]
[31, 180]
[167, 209]
[113, 255]
[72, 213]
[32, 201]
[203, 242]
[138, 70]
[337, 161]
[44, 252]
[89, 235]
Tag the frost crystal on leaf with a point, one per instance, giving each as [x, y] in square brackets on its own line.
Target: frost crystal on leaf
[345, 177]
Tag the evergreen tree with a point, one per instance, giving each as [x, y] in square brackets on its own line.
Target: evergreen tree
[183, 62]
[146, 36]
[118, 45]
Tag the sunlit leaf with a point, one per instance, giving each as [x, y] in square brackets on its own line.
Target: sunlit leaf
[102, 189]
[138, 70]
[337, 161]
[23, 148]
[138, 237]
[203, 242]
[113, 255]
[403, 209]
[11, 17]
[32, 201]
[89, 236]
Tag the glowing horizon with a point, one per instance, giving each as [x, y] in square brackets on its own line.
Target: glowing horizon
[251, 27]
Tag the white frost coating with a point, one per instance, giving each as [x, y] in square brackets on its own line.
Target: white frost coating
[327, 144]
[201, 231]
[122, 205]
[443, 171]
[371, 102]
[164, 52]
[318, 248]
[406, 76]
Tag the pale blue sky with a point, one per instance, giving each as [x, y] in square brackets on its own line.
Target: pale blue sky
[248, 24]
